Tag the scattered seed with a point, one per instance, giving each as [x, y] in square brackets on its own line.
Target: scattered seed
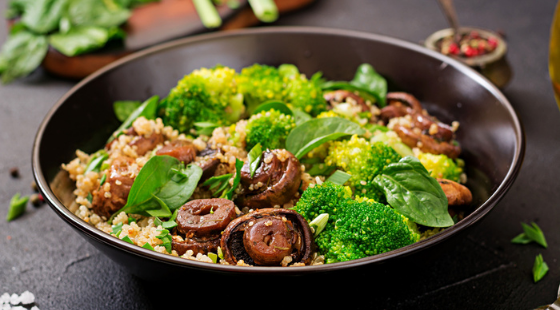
[14, 172]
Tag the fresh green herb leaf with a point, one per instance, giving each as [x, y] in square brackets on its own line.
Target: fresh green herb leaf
[89, 197]
[277, 105]
[254, 156]
[178, 190]
[236, 179]
[43, 16]
[208, 13]
[131, 219]
[22, 53]
[521, 239]
[17, 206]
[147, 109]
[317, 131]
[97, 13]
[96, 161]
[127, 239]
[169, 224]
[265, 10]
[319, 223]
[166, 238]
[148, 246]
[339, 177]
[540, 268]
[410, 190]
[534, 233]
[79, 40]
[162, 211]
[123, 108]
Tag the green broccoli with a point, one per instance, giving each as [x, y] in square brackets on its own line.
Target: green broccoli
[391, 138]
[260, 83]
[205, 95]
[269, 128]
[441, 166]
[364, 161]
[356, 228]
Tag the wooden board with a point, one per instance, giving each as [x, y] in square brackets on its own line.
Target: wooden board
[156, 23]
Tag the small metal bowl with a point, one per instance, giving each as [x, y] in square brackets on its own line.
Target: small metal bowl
[493, 65]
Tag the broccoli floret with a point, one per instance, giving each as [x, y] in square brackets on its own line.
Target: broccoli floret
[441, 166]
[205, 95]
[302, 93]
[260, 83]
[391, 138]
[269, 128]
[356, 228]
[364, 161]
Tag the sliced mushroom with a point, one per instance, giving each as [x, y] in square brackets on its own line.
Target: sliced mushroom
[145, 144]
[336, 97]
[183, 150]
[112, 195]
[200, 223]
[275, 182]
[209, 162]
[415, 138]
[268, 237]
[457, 194]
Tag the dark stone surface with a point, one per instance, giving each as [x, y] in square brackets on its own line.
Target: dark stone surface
[481, 270]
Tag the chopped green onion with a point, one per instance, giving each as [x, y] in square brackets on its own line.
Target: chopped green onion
[539, 269]
[319, 223]
[127, 239]
[521, 239]
[213, 257]
[148, 246]
[96, 161]
[254, 156]
[218, 184]
[339, 177]
[265, 10]
[89, 197]
[220, 253]
[166, 238]
[131, 219]
[205, 128]
[103, 178]
[208, 13]
[117, 229]
[236, 180]
[17, 206]
[534, 233]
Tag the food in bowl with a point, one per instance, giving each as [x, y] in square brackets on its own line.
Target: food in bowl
[267, 167]
[469, 44]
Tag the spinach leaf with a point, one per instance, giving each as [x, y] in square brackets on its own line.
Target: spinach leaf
[124, 108]
[273, 104]
[105, 13]
[43, 16]
[79, 40]
[218, 184]
[147, 109]
[317, 131]
[320, 169]
[410, 190]
[254, 157]
[176, 192]
[22, 53]
[300, 116]
[369, 84]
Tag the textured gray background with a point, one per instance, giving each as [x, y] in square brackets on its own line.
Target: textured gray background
[483, 270]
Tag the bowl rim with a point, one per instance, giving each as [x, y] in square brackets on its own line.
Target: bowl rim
[109, 240]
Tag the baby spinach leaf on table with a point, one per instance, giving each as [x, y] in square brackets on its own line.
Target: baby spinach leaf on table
[317, 131]
[79, 40]
[43, 16]
[147, 109]
[106, 13]
[17, 206]
[273, 104]
[22, 53]
[254, 157]
[540, 268]
[412, 192]
[123, 108]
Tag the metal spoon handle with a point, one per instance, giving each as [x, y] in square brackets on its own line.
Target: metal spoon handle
[449, 11]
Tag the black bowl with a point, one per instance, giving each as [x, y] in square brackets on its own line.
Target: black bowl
[490, 132]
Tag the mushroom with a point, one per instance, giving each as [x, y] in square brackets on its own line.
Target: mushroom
[275, 182]
[201, 223]
[457, 194]
[183, 150]
[268, 237]
[112, 195]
